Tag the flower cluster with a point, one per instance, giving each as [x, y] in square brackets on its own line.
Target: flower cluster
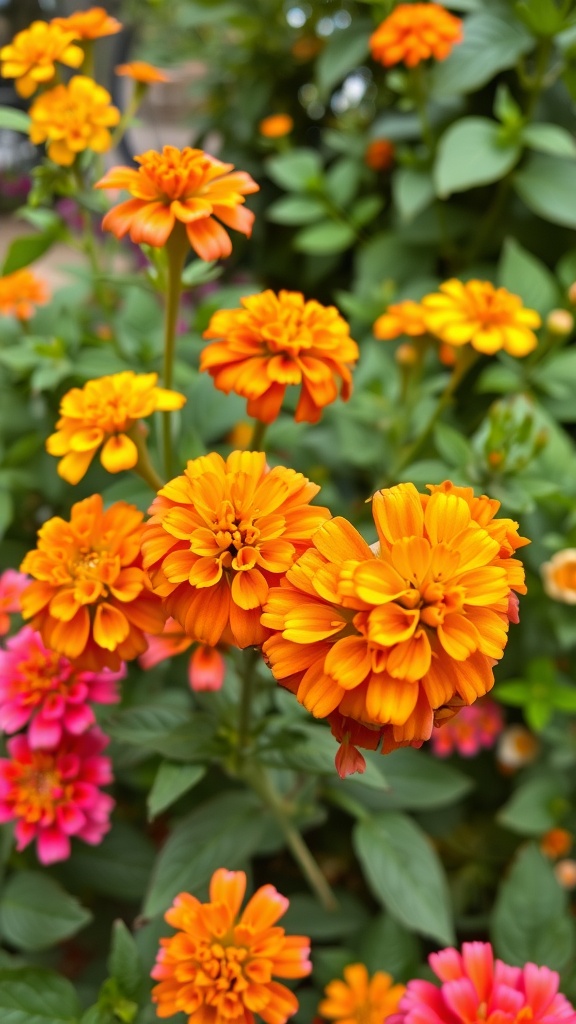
[33, 54]
[20, 293]
[473, 729]
[413, 33]
[74, 117]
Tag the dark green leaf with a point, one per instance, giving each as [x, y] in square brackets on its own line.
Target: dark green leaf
[36, 912]
[532, 808]
[491, 44]
[124, 964]
[296, 209]
[325, 238]
[386, 944]
[171, 782]
[547, 184]
[297, 170]
[26, 250]
[305, 916]
[525, 275]
[35, 996]
[470, 153]
[415, 782]
[344, 51]
[120, 866]
[413, 191]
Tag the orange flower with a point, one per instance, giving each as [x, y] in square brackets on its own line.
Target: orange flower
[220, 535]
[89, 598]
[488, 318]
[91, 24]
[104, 412]
[20, 293]
[72, 118]
[559, 576]
[555, 843]
[276, 125]
[379, 155]
[406, 317]
[413, 33]
[276, 340]
[141, 71]
[219, 967]
[176, 187]
[360, 999]
[384, 639]
[32, 55]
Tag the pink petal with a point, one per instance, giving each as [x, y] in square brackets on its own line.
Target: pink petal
[52, 845]
[43, 733]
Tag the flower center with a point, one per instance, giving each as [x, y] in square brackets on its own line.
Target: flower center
[39, 788]
[223, 973]
[237, 538]
[173, 174]
[40, 673]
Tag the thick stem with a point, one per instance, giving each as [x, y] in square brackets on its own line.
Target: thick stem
[176, 249]
[144, 467]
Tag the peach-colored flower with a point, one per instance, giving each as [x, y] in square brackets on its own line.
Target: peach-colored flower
[559, 576]
[32, 55]
[142, 72]
[74, 117]
[91, 24]
[361, 999]
[12, 586]
[413, 33]
[275, 126]
[476, 313]
[219, 967]
[565, 873]
[401, 318]
[277, 340]
[180, 187]
[20, 293]
[556, 842]
[379, 155]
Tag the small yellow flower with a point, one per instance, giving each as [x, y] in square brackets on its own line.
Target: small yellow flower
[31, 56]
[72, 118]
[360, 999]
[477, 313]
[103, 412]
[402, 318]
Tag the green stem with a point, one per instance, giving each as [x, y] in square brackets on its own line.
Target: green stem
[144, 467]
[429, 138]
[247, 689]
[176, 249]
[257, 439]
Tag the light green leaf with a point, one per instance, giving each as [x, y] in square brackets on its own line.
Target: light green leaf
[296, 209]
[26, 250]
[343, 180]
[297, 170]
[343, 52]
[35, 996]
[325, 238]
[171, 782]
[525, 275]
[124, 963]
[531, 810]
[14, 120]
[413, 191]
[365, 210]
[405, 874]
[547, 184]
[471, 154]
[549, 138]
[452, 445]
[36, 912]
[491, 44]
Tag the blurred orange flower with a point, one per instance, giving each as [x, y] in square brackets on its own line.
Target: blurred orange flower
[89, 598]
[72, 118]
[556, 842]
[141, 71]
[102, 413]
[91, 24]
[361, 999]
[219, 967]
[275, 126]
[220, 536]
[413, 33]
[276, 340]
[180, 187]
[488, 318]
[406, 317]
[20, 293]
[379, 155]
[386, 639]
[32, 55]
[559, 576]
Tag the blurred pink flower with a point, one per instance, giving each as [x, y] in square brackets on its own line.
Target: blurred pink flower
[475, 987]
[172, 641]
[12, 583]
[44, 688]
[206, 668]
[54, 794]
[472, 729]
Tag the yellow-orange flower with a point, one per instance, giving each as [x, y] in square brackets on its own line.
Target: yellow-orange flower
[275, 126]
[32, 55]
[276, 340]
[89, 598]
[91, 24]
[103, 412]
[406, 317]
[386, 639]
[379, 155]
[361, 999]
[141, 71]
[477, 313]
[220, 536]
[180, 187]
[413, 33]
[20, 293]
[220, 966]
[559, 576]
[72, 118]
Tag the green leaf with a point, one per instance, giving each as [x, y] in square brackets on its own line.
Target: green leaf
[26, 250]
[120, 866]
[343, 180]
[452, 446]
[415, 782]
[413, 191]
[35, 996]
[171, 782]
[6, 510]
[405, 874]
[343, 52]
[470, 153]
[547, 184]
[297, 171]
[365, 210]
[525, 275]
[386, 942]
[531, 921]
[549, 138]
[36, 912]
[145, 724]
[491, 44]
[200, 272]
[543, 17]
[221, 832]
[124, 963]
[14, 120]
[499, 379]
[325, 238]
[532, 808]
[296, 209]
[305, 916]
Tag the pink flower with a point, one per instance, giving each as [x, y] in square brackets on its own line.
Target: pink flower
[173, 640]
[44, 688]
[12, 583]
[53, 794]
[472, 729]
[475, 987]
[206, 667]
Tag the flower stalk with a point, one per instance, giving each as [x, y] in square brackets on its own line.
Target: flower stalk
[176, 249]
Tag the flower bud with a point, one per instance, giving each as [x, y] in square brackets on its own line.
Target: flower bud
[560, 322]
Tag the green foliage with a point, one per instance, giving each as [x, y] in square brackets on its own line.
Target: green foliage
[36, 912]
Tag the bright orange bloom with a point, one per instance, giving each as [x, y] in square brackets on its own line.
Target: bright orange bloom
[175, 187]
[219, 967]
[406, 317]
[555, 843]
[413, 33]
[141, 71]
[379, 155]
[386, 639]
[220, 536]
[20, 293]
[276, 340]
[104, 412]
[488, 318]
[276, 125]
[72, 118]
[559, 576]
[360, 999]
[91, 24]
[32, 55]
[89, 598]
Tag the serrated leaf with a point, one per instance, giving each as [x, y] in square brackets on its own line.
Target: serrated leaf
[171, 782]
[470, 154]
[36, 912]
[35, 996]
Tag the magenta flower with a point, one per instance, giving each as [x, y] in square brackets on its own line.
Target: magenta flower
[54, 794]
[44, 688]
[12, 583]
[474, 728]
[475, 987]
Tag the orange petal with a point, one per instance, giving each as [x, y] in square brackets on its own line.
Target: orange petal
[119, 453]
[110, 627]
